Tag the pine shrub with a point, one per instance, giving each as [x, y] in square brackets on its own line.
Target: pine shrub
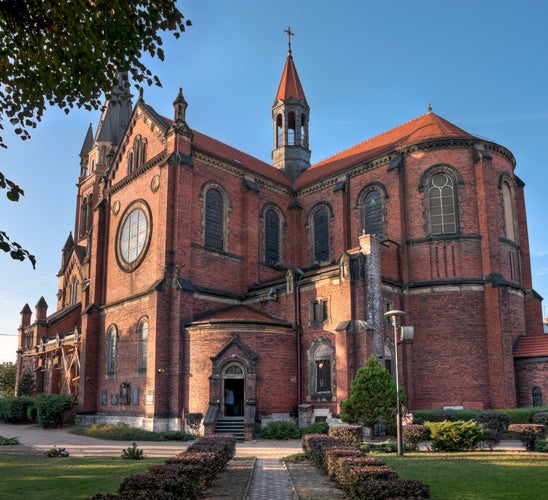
[455, 436]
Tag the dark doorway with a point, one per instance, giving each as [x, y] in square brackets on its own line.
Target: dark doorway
[236, 388]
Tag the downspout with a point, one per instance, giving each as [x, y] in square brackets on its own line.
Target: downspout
[298, 327]
[258, 236]
[348, 216]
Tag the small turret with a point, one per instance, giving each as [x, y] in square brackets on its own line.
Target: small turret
[290, 114]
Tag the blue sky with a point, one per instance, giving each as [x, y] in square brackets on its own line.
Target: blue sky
[366, 66]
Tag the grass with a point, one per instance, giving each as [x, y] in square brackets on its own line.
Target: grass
[65, 478]
[476, 475]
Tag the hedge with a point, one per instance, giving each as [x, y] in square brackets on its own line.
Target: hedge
[14, 410]
[361, 477]
[186, 475]
[350, 434]
[528, 433]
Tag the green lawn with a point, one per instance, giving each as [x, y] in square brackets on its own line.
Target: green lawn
[65, 478]
[476, 475]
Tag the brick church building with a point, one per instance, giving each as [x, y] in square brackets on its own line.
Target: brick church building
[201, 279]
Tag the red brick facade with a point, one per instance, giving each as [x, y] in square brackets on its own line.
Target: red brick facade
[265, 280]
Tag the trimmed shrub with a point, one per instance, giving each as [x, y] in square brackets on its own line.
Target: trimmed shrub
[354, 472]
[413, 434]
[315, 428]
[350, 434]
[384, 447]
[14, 410]
[541, 445]
[50, 409]
[185, 476]
[541, 418]
[493, 420]
[316, 445]
[194, 422]
[124, 432]
[280, 429]
[442, 416]
[399, 488]
[493, 424]
[527, 433]
[455, 436]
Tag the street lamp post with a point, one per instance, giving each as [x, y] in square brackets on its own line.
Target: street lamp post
[395, 317]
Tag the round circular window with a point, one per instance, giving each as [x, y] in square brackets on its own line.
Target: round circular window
[133, 236]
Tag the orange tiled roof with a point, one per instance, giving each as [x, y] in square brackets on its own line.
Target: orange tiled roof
[290, 85]
[531, 346]
[229, 153]
[424, 127]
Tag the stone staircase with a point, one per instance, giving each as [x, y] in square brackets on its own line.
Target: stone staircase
[231, 425]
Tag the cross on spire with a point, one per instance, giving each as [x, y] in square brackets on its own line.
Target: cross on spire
[289, 35]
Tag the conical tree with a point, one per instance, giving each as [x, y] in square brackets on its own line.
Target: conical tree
[26, 384]
[372, 397]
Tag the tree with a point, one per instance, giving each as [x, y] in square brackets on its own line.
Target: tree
[7, 379]
[68, 53]
[26, 384]
[372, 396]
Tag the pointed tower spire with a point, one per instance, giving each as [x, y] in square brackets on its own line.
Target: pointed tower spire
[116, 112]
[290, 114]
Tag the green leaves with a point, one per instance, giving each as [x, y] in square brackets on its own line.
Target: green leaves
[67, 53]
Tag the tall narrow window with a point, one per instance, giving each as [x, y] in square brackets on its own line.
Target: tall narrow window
[291, 128]
[142, 346]
[537, 396]
[130, 162]
[112, 350]
[508, 207]
[372, 213]
[279, 131]
[73, 291]
[323, 375]
[214, 220]
[321, 235]
[304, 139]
[441, 198]
[272, 237]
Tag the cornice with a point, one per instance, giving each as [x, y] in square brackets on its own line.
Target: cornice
[237, 169]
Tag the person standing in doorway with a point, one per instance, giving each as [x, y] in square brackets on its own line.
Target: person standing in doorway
[229, 402]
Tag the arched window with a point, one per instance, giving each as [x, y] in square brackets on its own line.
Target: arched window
[142, 346]
[304, 139]
[320, 235]
[272, 237]
[83, 216]
[373, 212]
[442, 204]
[509, 212]
[112, 350]
[537, 396]
[321, 356]
[214, 230]
[130, 161]
[73, 291]
[279, 131]
[291, 125]
[143, 152]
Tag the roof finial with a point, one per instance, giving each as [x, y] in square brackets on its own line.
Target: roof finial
[289, 35]
[429, 108]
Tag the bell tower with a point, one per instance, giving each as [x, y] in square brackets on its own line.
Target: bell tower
[290, 115]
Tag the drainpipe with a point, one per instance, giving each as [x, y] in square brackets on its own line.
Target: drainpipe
[298, 327]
